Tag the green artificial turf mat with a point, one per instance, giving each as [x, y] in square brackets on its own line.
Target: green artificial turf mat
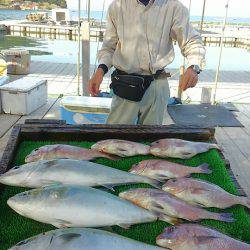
[15, 228]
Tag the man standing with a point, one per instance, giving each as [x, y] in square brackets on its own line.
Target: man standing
[139, 43]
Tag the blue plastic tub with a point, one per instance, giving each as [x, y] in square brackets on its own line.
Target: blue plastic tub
[85, 110]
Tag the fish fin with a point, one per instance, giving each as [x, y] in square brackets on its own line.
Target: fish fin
[46, 183]
[205, 239]
[68, 237]
[161, 177]
[198, 204]
[108, 229]
[244, 201]
[155, 183]
[226, 217]
[62, 224]
[154, 206]
[110, 156]
[168, 219]
[204, 169]
[124, 226]
[109, 187]
[50, 163]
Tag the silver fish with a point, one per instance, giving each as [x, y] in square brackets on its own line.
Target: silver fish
[177, 148]
[203, 193]
[81, 239]
[121, 147]
[196, 237]
[70, 172]
[163, 170]
[78, 206]
[61, 151]
[164, 203]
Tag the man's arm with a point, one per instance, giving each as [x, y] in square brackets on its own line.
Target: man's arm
[105, 55]
[190, 43]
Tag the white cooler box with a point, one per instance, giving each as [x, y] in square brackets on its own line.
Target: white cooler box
[24, 96]
[3, 80]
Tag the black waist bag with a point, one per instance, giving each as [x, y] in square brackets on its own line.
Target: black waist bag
[130, 87]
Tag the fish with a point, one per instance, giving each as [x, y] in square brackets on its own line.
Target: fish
[78, 206]
[181, 149]
[197, 237]
[163, 170]
[70, 172]
[164, 203]
[121, 148]
[203, 193]
[81, 239]
[61, 151]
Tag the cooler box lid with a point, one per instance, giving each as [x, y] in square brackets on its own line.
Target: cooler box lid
[86, 104]
[23, 85]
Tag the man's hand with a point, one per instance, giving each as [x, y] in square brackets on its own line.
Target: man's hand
[190, 79]
[95, 82]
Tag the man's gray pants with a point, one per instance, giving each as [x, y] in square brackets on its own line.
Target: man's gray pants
[150, 111]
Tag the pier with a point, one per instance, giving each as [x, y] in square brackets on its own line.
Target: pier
[239, 38]
[51, 31]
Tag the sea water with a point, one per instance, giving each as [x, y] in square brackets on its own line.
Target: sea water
[21, 14]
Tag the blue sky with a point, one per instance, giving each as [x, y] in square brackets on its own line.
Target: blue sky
[238, 8]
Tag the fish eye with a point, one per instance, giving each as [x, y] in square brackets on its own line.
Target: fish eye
[171, 229]
[174, 180]
[17, 167]
[35, 150]
[24, 194]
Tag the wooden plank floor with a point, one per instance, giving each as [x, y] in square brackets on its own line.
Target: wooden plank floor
[62, 80]
[236, 143]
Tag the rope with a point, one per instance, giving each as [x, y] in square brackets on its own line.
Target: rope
[221, 50]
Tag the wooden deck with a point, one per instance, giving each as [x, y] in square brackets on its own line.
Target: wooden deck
[62, 80]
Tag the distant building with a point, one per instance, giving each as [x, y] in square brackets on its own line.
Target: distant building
[29, 5]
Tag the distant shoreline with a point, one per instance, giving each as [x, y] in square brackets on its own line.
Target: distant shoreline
[209, 20]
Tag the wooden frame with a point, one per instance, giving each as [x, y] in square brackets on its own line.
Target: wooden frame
[40, 130]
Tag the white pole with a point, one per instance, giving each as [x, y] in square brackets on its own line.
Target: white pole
[89, 9]
[203, 15]
[79, 48]
[221, 49]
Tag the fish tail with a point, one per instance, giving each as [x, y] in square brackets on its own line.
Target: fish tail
[244, 201]
[215, 146]
[170, 220]
[155, 183]
[226, 217]
[204, 169]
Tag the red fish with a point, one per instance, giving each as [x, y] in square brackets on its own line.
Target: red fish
[177, 148]
[161, 202]
[197, 237]
[60, 151]
[121, 147]
[199, 192]
[164, 170]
